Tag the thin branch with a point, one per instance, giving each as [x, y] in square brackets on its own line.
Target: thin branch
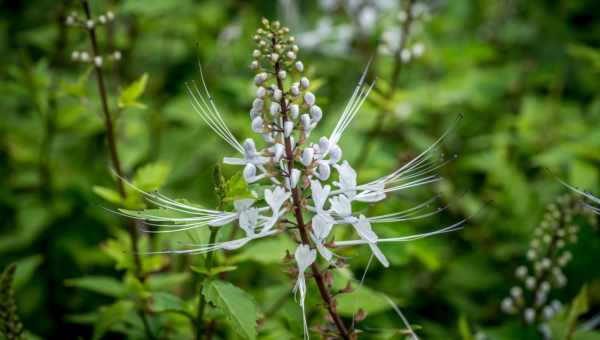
[379, 120]
[114, 155]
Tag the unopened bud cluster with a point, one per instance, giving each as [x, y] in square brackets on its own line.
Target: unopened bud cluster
[409, 22]
[284, 106]
[74, 20]
[547, 255]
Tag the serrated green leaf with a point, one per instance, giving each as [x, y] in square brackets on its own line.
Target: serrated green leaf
[161, 302]
[111, 315]
[108, 195]
[104, 285]
[129, 95]
[151, 176]
[237, 188]
[239, 307]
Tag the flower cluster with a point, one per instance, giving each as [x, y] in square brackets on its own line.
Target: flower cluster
[547, 255]
[304, 176]
[75, 20]
[396, 20]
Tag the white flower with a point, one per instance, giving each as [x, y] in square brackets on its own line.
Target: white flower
[364, 230]
[304, 258]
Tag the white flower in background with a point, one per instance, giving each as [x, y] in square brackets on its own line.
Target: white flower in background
[300, 174]
[367, 18]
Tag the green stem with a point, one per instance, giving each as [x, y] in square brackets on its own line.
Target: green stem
[202, 302]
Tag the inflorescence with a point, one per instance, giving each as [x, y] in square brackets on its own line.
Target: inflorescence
[547, 256]
[75, 20]
[299, 176]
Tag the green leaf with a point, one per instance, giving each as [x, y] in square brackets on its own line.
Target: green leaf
[237, 188]
[151, 176]
[161, 302]
[214, 270]
[111, 315]
[107, 194]
[239, 307]
[580, 306]
[464, 329]
[362, 297]
[104, 285]
[26, 269]
[130, 95]
[267, 251]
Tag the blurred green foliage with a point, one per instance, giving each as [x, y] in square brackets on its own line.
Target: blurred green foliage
[525, 75]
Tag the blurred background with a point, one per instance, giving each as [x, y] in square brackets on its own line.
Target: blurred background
[524, 75]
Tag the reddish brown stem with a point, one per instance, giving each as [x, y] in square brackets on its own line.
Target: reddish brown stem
[110, 133]
[297, 200]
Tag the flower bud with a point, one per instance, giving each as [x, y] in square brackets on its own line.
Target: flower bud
[257, 124]
[117, 55]
[254, 114]
[84, 56]
[75, 55]
[323, 145]
[324, 171]
[507, 305]
[304, 82]
[102, 19]
[288, 127]
[89, 24]
[299, 66]
[69, 21]
[260, 78]
[110, 15]
[530, 282]
[274, 57]
[254, 65]
[277, 94]
[529, 315]
[291, 55]
[315, 113]
[275, 108]
[295, 89]
[335, 153]
[278, 150]
[305, 119]
[281, 74]
[249, 172]
[309, 98]
[294, 110]
[98, 61]
[256, 53]
[307, 156]
[261, 92]
[295, 177]
[257, 104]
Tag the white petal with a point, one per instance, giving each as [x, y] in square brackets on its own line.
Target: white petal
[249, 172]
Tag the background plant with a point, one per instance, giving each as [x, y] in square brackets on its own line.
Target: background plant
[524, 74]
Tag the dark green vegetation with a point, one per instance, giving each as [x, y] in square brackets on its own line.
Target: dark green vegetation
[524, 74]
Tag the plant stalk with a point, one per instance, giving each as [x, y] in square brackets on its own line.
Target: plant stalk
[302, 227]
[114, 154]
[379, 120]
